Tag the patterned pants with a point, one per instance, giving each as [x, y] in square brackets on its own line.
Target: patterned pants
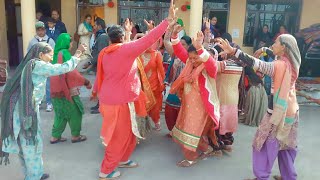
[32, 162]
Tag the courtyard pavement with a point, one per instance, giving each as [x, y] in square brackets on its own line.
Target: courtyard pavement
[158, 155]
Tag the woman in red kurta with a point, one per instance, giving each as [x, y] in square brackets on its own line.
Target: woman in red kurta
[152, 61]
[199, 113]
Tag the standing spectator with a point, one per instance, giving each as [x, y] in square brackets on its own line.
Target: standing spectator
[42, 37]
[59, 24]
[52, 30]
[101, 41]
[39, 16]
[85, 32]
[215, 29]
[263, 38]
[282, 30]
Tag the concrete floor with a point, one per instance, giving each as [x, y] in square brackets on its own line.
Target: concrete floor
[158, 155]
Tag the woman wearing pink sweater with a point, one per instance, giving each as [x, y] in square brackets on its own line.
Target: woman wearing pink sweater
[118, 86]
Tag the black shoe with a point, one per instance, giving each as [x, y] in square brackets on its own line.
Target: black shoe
[96, 107]
[44, 176]
[96, 111]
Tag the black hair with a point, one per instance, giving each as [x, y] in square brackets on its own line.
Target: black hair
[192, 49]
[39, 11]
[254, 79]
[88, 15]
[284, 26]
[116, 33]
[101, 22]
[265, 25]
[50, 19]
[56, 10]
[138, 28]
[187, 39]
[227, 36]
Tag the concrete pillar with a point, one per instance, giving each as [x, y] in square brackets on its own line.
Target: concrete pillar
[308, 14]
[28, 19]
[237, 18]
[184, 15]
[3, 32]
[111, 14]
[195, 17]
[69, 15]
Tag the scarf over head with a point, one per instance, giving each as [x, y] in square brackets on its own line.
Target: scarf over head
[20, 89]
[61, 55]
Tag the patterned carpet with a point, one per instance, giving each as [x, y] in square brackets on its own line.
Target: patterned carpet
[308, 91]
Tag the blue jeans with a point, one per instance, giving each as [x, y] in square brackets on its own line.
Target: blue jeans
[48, 97]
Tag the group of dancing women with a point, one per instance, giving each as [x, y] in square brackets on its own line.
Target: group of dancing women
[201, 108]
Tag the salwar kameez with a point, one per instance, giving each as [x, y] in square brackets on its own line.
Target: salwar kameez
[67, 112]
[155, 73]
[228, 78]
[277, 133]
[117, 136]
[173, 103]
[30, 154]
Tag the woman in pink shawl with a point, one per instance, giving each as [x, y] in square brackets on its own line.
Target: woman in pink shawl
[199, 113]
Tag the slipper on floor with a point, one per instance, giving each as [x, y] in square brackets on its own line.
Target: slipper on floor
[81, 138]
[129, 164]
[58, 141]
[111, 176]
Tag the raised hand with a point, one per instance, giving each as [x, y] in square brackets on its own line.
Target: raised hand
[174, 22]
[177, 28]
[207, 23]
[198, 40]
[172, 11]
[128, 25]
[149, 24]
[258, 53]
[225, 46]
[82, 47]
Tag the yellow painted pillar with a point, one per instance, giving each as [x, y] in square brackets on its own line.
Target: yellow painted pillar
[3, 32]
[195, 17]
[183, 15]
[111, 14]
[308, 14]
[237, 18]
[28, 19]
[69, 15]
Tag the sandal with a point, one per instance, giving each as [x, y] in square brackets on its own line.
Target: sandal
[276, 177]
[186, 163]
[58, 140]
[80, 138]
[128, 164]
[217, 153]
[111, 176]
[157, 127]
[205, 155]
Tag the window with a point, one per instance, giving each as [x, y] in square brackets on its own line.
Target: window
[138, 10]
[219, 9]
[274, 13]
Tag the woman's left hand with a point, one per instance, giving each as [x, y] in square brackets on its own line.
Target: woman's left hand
[225, 46]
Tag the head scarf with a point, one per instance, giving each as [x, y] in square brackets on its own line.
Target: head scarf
[20, 88]
[61, 55]
[292, 50]
[62, 46]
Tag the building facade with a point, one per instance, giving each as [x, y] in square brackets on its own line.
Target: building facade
[241, 18]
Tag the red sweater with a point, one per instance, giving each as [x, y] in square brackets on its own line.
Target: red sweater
[121, 83]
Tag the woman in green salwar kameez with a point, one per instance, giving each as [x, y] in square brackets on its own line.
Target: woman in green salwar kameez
[67, 105]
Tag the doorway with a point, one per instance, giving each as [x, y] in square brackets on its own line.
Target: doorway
[222, 17]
